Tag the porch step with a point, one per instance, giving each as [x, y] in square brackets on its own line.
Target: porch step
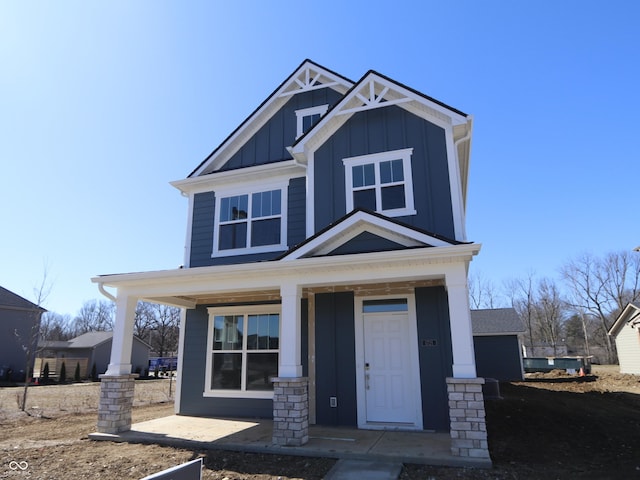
[364, 469]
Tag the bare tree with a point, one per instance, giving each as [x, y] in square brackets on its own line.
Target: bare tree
[54, 326]
[145, 321]
[94, 316]
[482, 292]
[29, 342]
[522, 296]
[164, 335]
[602, 287]
[549, 313]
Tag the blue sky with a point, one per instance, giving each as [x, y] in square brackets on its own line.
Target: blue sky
[102, 104]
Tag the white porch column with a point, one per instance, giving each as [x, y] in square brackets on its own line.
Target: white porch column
[120, 362]
[290, 333]
[464, 363]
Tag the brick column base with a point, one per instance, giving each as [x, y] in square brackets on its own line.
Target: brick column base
[467, 416]
[116, 400]
[290, 411]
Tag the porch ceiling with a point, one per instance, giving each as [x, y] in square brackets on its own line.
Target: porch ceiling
[257, 296]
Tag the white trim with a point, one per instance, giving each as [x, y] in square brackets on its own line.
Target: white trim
[455, 190]
[304, 79]
[395, 265]
[376, 159]
[311, 196]
[186, 262]
[306, 112]
[360, 222]
[245, 311]
[181, 335]
[414, 362]
[355, 101]
[242, 177]
[250, 191]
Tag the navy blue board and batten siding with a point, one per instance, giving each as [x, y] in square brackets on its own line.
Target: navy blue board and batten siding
[203, 219]
[435, 355]
[270, 143]
[335, 359]
[381, 130]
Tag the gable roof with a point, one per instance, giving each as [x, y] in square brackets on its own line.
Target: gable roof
[11, 300]
[308, 76]
[496, 321]
[630, 315]
[86, 340]
[355, 223]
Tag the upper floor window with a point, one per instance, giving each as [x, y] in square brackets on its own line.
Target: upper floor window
[381, 182]
[250, 222]
[307, 118]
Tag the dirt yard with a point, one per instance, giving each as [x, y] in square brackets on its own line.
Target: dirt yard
[549, 426]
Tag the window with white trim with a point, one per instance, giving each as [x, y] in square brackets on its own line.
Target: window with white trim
[243, 346]
[250, 222]
[307, 118]
[381, 182]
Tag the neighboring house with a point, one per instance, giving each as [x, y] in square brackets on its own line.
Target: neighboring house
[626, 332]
[327, 251]
[496, 343]
[87, 350]
[19, 330]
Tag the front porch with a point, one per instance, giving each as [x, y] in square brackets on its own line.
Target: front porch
[255, 436]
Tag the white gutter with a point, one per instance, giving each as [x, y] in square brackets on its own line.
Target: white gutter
[105, 293]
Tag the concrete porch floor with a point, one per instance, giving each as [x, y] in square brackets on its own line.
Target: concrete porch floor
[335, 442]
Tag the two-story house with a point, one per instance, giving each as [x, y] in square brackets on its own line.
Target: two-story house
[325, 275]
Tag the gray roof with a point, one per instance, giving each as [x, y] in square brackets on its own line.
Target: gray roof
[10, 299]
[90, 339]
[86, 340]
[496, 321]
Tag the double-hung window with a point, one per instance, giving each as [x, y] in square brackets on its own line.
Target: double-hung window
[250, 222]
[381, 182]
[244, 344]
[307, 118]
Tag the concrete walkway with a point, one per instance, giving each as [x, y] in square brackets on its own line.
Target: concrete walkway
[332, 442]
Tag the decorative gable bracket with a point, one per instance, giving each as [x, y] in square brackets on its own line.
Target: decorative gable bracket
[308, 79]
[372, 94]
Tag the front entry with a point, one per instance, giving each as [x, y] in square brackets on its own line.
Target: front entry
[389, 393]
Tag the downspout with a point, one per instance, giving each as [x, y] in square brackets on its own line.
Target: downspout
[105, 293]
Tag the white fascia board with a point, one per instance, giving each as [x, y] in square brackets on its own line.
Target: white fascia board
[361, 222]
[628, 315]
[276, 171]
[392, 266]
[260, 117]
[398, 95]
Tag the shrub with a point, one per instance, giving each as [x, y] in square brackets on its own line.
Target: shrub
[76, 375]
[94, 373]
[45, 372]
[62, 378]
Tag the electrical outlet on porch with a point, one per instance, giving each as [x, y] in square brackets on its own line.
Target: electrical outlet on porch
[333, 402]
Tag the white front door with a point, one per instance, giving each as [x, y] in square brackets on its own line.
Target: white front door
[388, 372]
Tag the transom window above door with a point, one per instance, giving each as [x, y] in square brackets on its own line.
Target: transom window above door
[381, 182]
[250, 223]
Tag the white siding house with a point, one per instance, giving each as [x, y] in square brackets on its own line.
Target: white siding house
[626, 332]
